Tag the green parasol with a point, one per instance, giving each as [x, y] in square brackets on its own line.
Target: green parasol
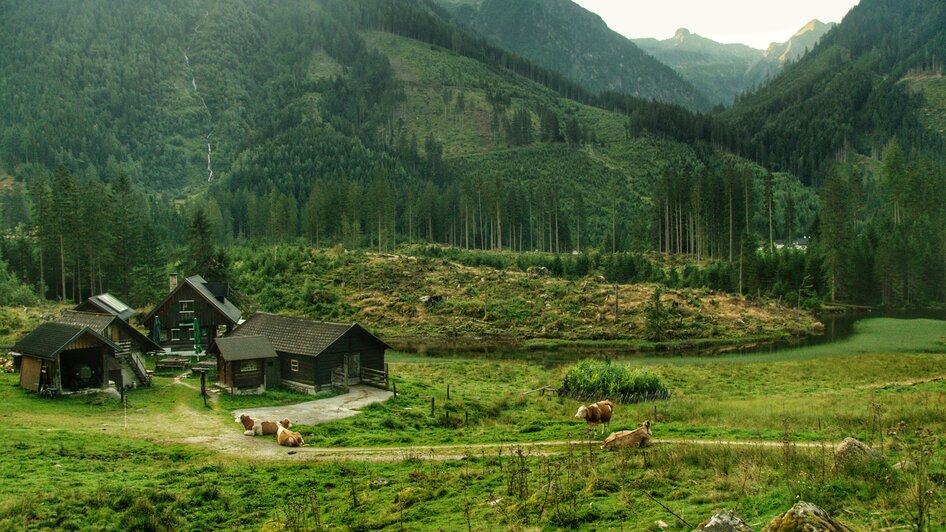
[196, 337]
[156, 330]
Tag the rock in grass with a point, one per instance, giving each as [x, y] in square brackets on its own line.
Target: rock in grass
[852, 451]
[805, 517]
[725, 521]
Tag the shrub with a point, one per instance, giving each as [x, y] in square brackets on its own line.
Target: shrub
[594, 379]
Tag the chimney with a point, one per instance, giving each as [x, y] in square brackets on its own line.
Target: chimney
[172, 282]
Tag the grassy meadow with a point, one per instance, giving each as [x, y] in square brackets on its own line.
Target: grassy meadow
[170, 463]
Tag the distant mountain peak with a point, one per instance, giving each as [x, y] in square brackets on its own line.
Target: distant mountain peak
[681, 34]
[804, 39]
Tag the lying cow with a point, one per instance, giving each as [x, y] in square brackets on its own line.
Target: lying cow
[255, 427]
[288, 438]
[596, 414]
[635, 439]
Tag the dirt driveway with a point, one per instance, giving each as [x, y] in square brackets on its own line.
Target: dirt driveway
[321, 410]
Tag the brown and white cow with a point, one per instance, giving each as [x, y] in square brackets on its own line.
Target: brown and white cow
[635, 439]
[596, 414]
[255, 427]
[288, 438]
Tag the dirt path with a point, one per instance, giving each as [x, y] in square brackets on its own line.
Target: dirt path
[321, 410]
[265, 447]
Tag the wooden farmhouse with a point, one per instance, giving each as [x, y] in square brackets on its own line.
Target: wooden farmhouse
[62, 357]
[106, 304]
[245, 363]
[132, 345]
[194, 298]
[312, 355]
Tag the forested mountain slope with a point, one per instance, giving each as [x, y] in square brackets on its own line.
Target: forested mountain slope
[567, 38]
[723, 71]
[846, 94]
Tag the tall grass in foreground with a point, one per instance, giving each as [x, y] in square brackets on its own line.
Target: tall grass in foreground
[594, 379]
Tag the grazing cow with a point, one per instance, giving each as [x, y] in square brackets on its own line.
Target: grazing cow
[288, 438]
[255, 427]
[635, 439]
[596, 414]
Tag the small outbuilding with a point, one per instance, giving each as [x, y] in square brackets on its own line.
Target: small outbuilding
[106, 304]
[245, 363]
[64, 357]
[317, 354]
[132, 345]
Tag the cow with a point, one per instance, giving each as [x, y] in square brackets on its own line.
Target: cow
[596, 414]
[288, 438]
[635, 439]
[255, 427]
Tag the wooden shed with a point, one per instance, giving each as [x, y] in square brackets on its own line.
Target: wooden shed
[246, 363]
[106, 304]
[318, 354]
[64, 358]
[132, 344]
[194, 298]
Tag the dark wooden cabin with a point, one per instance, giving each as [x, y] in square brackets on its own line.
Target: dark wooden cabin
[132, 344]
[245, 363]
[194, 298]
[317, 354]
[106, 304]
[64, 358]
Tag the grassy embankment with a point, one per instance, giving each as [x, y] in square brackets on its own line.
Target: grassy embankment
[72, 463]
[386, 293]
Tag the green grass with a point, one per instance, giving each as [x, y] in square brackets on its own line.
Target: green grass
[73, 464]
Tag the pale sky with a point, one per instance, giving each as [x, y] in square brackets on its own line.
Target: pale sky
[753, 22]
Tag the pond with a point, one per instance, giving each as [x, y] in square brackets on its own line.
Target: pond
[879, 331]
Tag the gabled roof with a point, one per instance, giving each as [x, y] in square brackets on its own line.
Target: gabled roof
[108, 304]
[100, 322]
[243, 348]
[224, 306]
[49, 339]
[297, 335]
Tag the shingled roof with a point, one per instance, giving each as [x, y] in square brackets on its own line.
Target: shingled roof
[100, 322]
[108, 304]
[243, 348]
[49, 339]
[297, 335]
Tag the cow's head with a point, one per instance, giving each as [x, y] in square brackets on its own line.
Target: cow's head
[582, 412]
[285, 424]
[246, 420]
[646, 426]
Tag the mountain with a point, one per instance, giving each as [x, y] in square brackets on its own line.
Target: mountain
[723, 71]
[314, 116]
[846, 95]
[567, 38]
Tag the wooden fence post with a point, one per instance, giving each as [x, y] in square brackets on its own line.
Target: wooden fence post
[394, 388]
[448, 392]
[431, 406]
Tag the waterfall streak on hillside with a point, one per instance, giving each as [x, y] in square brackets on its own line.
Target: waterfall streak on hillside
[203, 103]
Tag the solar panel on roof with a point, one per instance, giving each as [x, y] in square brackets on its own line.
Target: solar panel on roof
[116, 305]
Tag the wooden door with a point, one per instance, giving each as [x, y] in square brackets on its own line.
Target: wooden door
[353, 368]
[30, 371]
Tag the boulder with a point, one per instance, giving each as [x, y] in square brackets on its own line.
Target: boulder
[725, 521]
[538, 271]
[852, 451]
[805, 517]
[431, 299]
[905, 465]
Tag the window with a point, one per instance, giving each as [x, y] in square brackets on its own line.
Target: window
[175, 334]
[294, 365]
[248, 365]
[186, 310]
